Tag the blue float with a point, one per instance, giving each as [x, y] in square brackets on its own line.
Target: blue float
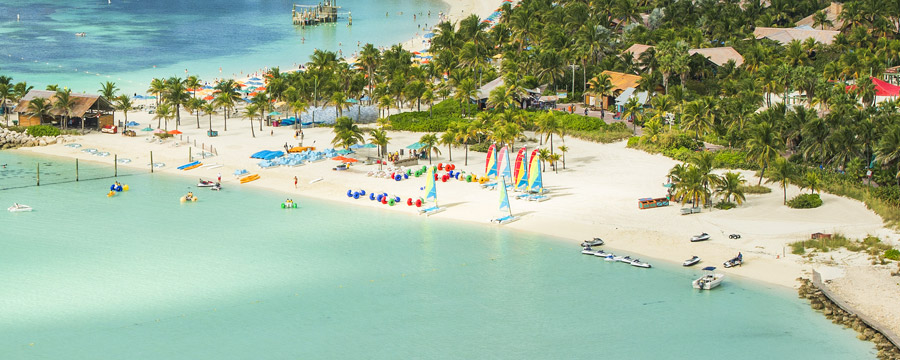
[356, 195]
[405, 176]
[349, 193]
[397, 177]
[396, 199]
[362, 192]
[380, 197]
[371, 196]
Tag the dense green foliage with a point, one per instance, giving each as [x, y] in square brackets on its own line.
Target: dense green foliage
[870, 245]
[892, 254]
[805, 201]
[43, 130]
[756, 189]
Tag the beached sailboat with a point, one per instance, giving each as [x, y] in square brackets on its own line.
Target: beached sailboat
[490, 166]
[709, 280]
[504, 205]
[520, 173]
[535, 189]
[430, 194]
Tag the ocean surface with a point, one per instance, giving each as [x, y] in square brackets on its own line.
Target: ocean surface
[130, 42]
[234, 276]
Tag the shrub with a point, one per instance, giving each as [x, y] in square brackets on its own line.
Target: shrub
[42, 130]
[892, 254]
[725, 205]
[797, 248]
[482, 147]
[421, 122]
[755, 189]
[20, 129]
[805, 201]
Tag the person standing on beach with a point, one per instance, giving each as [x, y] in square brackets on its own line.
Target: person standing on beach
[219, 177]
[295, 182]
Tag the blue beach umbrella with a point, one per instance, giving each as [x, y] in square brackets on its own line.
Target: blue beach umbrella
[429, 35]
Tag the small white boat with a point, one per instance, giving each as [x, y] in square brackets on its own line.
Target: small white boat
[624, 259]
[216, 187]
[600, 253]
[691, 262]
[640, 264]
[19, 208]
[609, 257]
[736, 261]
[588, 251]
[595, 242]
[205, 183]
[431, 211]
[708, 281]
[701, 237]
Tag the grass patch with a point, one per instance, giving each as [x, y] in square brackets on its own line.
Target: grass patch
[725, 205]
[756, 189]
[871, 245]
[603, 136]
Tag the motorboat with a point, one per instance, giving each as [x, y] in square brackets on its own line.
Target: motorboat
[625, 259]
[206, 183]
[216, 187]
[588, 251]
[692, 261]
[19, 208]
[595, 242]
[701, 237]
[640, 264]
[709, 280]
[736, 261]
[610, 257]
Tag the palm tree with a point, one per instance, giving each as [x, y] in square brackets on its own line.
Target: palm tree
[429, 142]
[472, 131]
[544, 155]
[888, 149]
[252, 111]
[499, 99]
[564, 149]
[39, 107]
[820, 18]
[193, 83]
[163, 113]
[6, 94]
[731, 186]
[548, 124]
[465, 91]
[346, 133]
[763, 145]
[379, 138]
[209, 109]
[633, 110]
[601, 86]
[385, 103]
[261, 100]
[226, 102]
[124, 104]
[337, 99]
[194, 105]
[782, 173]
[449, 138]
[811, 181]
[157, 87]
[554, 158]
[176, 94]
[689, 185]
[65, 105]
[108, 91]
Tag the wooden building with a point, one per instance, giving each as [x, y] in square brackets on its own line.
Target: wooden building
[94, 110]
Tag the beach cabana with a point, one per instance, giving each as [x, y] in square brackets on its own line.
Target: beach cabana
[620, 82]
[93, 110]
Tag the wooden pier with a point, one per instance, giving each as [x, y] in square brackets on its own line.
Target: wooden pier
[326, 12]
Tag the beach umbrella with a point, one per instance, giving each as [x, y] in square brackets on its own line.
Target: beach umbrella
[369, 146]
[344, 151]
[349, 160]
[356, 146]
[429, 35]
[366, 98]
[255, 79]
[274, 113]
[147, 129]
[254, 93]
[352, 101]
[261, 88]
[207, 87]
[208, 97]
[132, 123]
[338, 158]
[175, 132]
[159, 131]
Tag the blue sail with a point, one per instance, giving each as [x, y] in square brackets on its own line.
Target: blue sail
[504, 198]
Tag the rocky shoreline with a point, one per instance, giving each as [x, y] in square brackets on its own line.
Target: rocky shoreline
[11, 139]
[818, 300]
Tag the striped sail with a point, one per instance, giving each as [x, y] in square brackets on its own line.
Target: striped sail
[535, 181]
[520, 176]
[503, 161]
[430, 189]
[490, 166]
[504, 197]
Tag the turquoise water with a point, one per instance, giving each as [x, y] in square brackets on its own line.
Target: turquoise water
[132, 41]
[233, 276]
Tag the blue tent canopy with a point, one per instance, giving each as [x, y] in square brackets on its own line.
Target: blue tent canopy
[416, 146]
[132, 123]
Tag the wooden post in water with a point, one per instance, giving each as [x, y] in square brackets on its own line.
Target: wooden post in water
[190, 158]
[151, 162]
[76, 169]
[116, 165]
[38, 174]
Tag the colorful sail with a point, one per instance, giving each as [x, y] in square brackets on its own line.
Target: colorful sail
[503, 161]
[520, 177]
[504, 198]
[490, 166]
[430, 189]
[520, 157]
[535, 180]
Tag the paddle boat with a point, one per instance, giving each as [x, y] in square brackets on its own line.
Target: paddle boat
[189, 198]
[640, 264]
[595, 242]
[289, 204]
[691, 262]
[736, 261]
[19, 208]
[701, 237]
[709, 280]
[206, 183]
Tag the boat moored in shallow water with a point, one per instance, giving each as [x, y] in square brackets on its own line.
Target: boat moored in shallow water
[19, 208]
[709, 280]
[594, 242]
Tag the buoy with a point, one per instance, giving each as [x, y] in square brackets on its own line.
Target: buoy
[282, 205]
[418, 202]
[468, 178]
[391, 202]
[396, 199]
[408, 172]
[435, 177]
[409, 202]
[444, 178]
[397, 178]
[371, 196]
[125, 187]
[384, 200]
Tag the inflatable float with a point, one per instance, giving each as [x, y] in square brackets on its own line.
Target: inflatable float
[185, 198]
[290, 204]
